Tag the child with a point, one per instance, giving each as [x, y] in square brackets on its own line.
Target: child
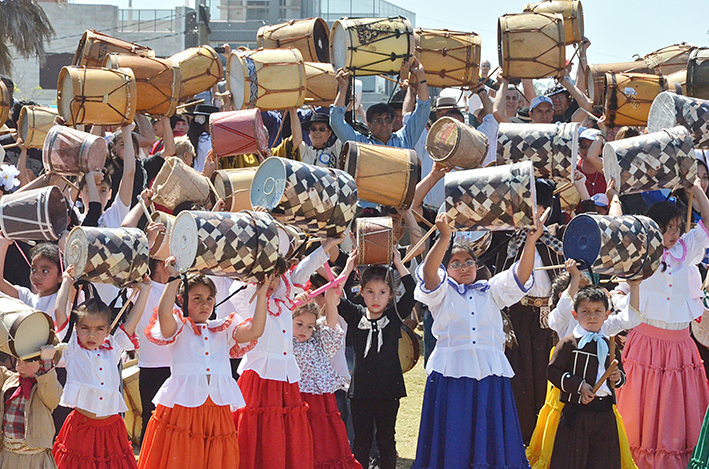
[192, 426]
[314, 345]
[469, 417]
[94, 435]
[29, 395]
[273, 429]
[377, 380]
[587, 436]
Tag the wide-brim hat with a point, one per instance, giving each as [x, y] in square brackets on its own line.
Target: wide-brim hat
[203, 110]
[445, 102]
[317, 117]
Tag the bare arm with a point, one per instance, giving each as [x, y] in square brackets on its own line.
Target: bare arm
[438, 171]
[138, 307]
[701, 198]
[526, 261]
[5, 286]
[421, 87]
[575, 275]
[583, 63]
[529, 92]
[168, 324]
[295, 128]
[332, 299]
[62, 301]
[26, 176]
[253, 331]
[168, 138]
[434, 258]
[146, 134]
[582, 100]
[125, 188]
[414, 233]
[615, 208]
[498, 109]
[343, 79]
[486, 101]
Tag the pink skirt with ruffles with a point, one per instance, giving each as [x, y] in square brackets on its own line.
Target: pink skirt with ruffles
[665, 397]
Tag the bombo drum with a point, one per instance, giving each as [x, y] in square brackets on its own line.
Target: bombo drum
[532, 45]
[670, 110]
[450, 58]
[670, 59]
[176, 183]
[698, 73]
[375, 240]
[319, 201]
[310, 36]
[117, 256]
[453, 143]
[572, 11]
[627, 246]
[478, 241]
[497, 198]
[321, 84]
[384, 175]
[200, 68]
[409, 348]
[371, 46]
[234, 187]
[37, 214]
[70, 152]
[629, 97]
[161, 246]
[23, 330]
[596, 77]
[552, 148]
[659, 160]
[94, 46]
[238, 132]
[34, 124]
[240, 245]
[5, 103]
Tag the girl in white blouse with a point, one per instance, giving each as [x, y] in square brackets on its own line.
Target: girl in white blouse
[192, 425]
[469, 417]
[94, 434]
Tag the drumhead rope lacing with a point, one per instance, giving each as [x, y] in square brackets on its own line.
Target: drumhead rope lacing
[83, 98]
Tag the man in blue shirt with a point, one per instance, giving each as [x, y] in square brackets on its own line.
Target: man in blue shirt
[380, 117]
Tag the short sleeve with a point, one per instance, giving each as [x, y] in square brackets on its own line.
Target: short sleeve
[561, 316]
[434, 297]
[696, 242]
[26, 296]
[123, 341]
[153, 332]
[238, 350]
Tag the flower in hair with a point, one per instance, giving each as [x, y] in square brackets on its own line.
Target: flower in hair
[8, 177]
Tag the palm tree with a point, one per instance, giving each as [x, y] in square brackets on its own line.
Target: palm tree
[24, 25]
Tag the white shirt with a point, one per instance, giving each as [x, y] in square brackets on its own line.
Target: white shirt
[562, 321]
[542, 283]
[199, 351]
[93, 380]
[489, 127]
[272, 357]
[467, 323]
[603, 390]
[151, 355]
[321, 157]
[436, 196]
[112, 217]
[203, 146]
[225, 287]
[339, 359]
[40, 303]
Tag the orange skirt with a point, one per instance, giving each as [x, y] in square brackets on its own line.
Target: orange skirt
[190, 437]
[274, 431]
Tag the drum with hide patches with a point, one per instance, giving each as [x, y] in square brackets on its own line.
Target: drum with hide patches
[37, 214]
[375, 240]
[95, 46]
[70, 152]
[310, 36]
[23, 329]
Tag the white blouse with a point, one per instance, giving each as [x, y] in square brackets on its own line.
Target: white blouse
[467, 323]
[200, 365]
[93, 380]
[272, 357]
[561, 319]
[151, 355]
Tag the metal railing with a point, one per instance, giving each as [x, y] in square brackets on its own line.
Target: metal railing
[132, 20]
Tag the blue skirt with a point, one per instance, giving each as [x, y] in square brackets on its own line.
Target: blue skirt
[468, 423]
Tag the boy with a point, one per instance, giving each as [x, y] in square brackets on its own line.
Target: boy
[587, 436]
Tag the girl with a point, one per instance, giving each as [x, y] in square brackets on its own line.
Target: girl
[377, 381]
[273, 429]
[314, 345]
[469, 417]
[94, 435]
[192, 426]
[666, 394]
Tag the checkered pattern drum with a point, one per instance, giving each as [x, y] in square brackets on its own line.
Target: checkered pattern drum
[670, 109]
[319, 201]
[627, 246]
[553, 148]
[498, 198]
[659, 160]
[240, 245]
[117, 256]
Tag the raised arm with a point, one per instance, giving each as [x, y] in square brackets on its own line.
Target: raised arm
[168, 138]
[62, 301]
[6, 287]
[168, 324]
[414, 232]
[295, 128]
[434, 258]
[701, 198]
[615, 208]
[498, 108]
[583, 101]
[526, 261]
[125, 188]
[254, 330]
[139, 306]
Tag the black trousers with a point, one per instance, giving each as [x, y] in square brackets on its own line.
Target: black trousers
[60, 414]
[365, 414]
[149, 382]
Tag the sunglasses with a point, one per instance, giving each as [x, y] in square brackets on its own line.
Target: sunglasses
[382, 121]
[314, 128]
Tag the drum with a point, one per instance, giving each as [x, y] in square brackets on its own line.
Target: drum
[131, 393]
[161, 247]
[238, 132]
[452, 143]
[240, 245]
[498, 198]
[659, 160]
[384, 175]
[627, 246]
[450, 58]
[34, 123]
[117, 256]
[319, 201]
[23, 330]
[97, 96]
[670, 59]
[36, 214]
[267, 79]
[698, 73]
[371, 46]
[572, 11]
[320, 84]
[596, 77]
[552, 148]
[409, 348]
[158, 82]
[532, 45]
[5, 104]
[310, 36]
[375, 241]
[200, 67]
[478, 241]
[629, 97]
[94, 46]
[677, 82]
[670, 110]
[176, 183]
[292, 241]
[71, 152]
[234, 187]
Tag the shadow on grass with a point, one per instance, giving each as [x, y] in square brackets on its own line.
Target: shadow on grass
[402, 463]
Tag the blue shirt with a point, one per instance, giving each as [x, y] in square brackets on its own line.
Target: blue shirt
[406, 137]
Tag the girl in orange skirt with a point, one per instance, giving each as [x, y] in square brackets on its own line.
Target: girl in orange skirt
[192, 426]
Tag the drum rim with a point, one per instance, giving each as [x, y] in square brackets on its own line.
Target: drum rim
[163, 238]
[192, 251]
[16, 325]
[239, 79]
[386, 223]
[416, 346]
[503, 43]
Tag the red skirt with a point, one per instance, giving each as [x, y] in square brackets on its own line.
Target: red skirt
[273, 428]
[332, 448]
[190, 437]
[86, 443]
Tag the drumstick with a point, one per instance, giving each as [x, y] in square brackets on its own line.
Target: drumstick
[553, 267]
[145, 209]
[611, 352]
[123, 309]
[73, 186]
[689, 213]
[423, 219]
[590, 115]
[182, 106]
[11, 145]
[410, 255]
[563, 187]
[606, 375]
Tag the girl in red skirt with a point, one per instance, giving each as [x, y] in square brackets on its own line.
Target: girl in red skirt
[94, 435]
[192, 426]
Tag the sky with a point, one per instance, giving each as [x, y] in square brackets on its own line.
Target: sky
[618, 29]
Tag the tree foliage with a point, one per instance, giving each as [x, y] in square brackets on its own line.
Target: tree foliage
[24, 25]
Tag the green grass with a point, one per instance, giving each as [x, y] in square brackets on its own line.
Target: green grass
[407, 422]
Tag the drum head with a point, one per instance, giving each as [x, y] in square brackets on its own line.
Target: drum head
[663, 113]
[23, 124]
[321, 39]
[66, 95]
[237, 83]
[443, 139]
[183, 241]
[56, 208]
[30, 333]
[111, 61]
[582, 240]
[338, 45]
[77, 250]
[269, 184]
